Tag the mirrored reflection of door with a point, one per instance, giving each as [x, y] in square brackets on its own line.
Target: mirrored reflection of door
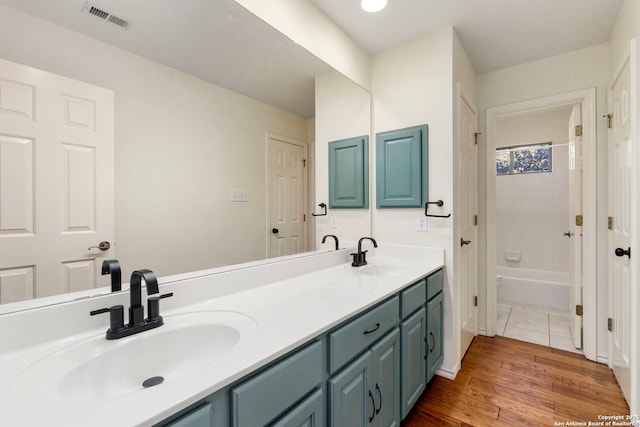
[575, 230]
[56, 183]
[620, 173]
[287, 196]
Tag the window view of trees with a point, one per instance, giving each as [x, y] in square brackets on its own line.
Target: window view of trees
[523, 159]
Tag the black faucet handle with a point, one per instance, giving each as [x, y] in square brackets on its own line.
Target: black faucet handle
[116, 316]
[153, 307]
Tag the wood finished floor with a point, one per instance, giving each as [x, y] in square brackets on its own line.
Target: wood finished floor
[504, 382]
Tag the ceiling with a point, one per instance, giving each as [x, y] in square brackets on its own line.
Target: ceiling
[221, 42]
[495, 33]
[216, 40]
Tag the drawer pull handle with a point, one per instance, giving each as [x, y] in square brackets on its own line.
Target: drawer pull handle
[426, 346]
[372, 330]
[380, 395]
[373, 413]
[433, 340]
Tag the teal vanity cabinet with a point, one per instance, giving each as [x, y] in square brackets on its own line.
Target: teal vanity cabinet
[435, 308]
[367, 391]
[349, 173]
[414, 350]
[199, 417]
[367, 371]
[402, 172]
[273, 395]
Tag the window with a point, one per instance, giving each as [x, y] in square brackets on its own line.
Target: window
[523, 159]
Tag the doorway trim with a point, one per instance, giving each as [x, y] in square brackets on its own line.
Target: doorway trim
[587, 98]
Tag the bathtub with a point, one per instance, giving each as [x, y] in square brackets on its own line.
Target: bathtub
[544, 289]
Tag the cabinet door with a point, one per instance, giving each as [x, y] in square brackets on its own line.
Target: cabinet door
[434, 338]
[414, 367]
[350, 400]
[349, 173]
[308, 413]
[385, 383]
[402, 168]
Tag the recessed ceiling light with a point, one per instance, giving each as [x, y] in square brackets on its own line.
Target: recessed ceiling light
[373, 5]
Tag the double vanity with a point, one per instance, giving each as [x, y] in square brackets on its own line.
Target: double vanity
[284, 342]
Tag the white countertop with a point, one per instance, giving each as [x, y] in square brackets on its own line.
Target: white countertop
[287, 312]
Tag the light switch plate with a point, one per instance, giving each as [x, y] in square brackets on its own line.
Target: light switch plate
[239, 195]
[332, 222]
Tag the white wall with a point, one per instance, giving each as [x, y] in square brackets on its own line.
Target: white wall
[306, 25]
[532, 210]
[181, 145]
[412, 85]
[343, 110]
[581, 69]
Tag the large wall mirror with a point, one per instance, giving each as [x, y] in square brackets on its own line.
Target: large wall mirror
[201, 89]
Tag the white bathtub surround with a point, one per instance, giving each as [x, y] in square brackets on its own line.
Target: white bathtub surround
[535, 326]
[289, 301]
[548, 290]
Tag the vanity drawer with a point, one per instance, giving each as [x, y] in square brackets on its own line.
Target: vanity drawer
[262, 398]
[435, 283]
[351, 339]
[413, 298]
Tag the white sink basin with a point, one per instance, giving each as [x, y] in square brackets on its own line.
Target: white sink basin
[97, 368]
[384, 270]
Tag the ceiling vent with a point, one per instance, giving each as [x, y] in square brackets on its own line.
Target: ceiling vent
[105, 16]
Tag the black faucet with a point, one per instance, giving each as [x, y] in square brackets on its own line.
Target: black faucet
[137, 322]
[360, 258]
[112, 266]
[334, 237]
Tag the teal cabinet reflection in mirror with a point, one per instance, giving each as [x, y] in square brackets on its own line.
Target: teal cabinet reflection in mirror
[402, 168]
[349, 173]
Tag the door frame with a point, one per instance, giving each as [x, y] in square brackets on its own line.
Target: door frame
[305, 176]
[587, 98]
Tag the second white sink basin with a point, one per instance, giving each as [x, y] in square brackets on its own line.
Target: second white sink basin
[97, 368]
[383, 270]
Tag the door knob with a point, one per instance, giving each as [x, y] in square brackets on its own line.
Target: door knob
[568, 234]
[275, 230]
[464, 242]
[103, 246]
[622, 252]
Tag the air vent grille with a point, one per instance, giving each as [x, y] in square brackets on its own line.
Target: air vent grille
[102, 14]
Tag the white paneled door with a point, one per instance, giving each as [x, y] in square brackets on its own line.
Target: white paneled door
[620, 174]
[575, 230]
[287, 196]
[467, 222]
[56, 183]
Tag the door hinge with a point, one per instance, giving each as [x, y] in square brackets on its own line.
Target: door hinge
[304, 217]
[579, 220]
[579, 310]
[475, 135]
[610, 223]
[578, 130]
[475, 301]
[610, 324]
[475, 220]
[304, 163]
[609, 118]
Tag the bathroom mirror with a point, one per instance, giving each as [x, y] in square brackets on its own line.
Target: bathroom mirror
[199, 86]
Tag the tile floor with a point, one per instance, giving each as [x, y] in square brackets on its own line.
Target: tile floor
[535, 326]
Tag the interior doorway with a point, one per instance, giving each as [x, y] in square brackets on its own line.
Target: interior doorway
[578, 237]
